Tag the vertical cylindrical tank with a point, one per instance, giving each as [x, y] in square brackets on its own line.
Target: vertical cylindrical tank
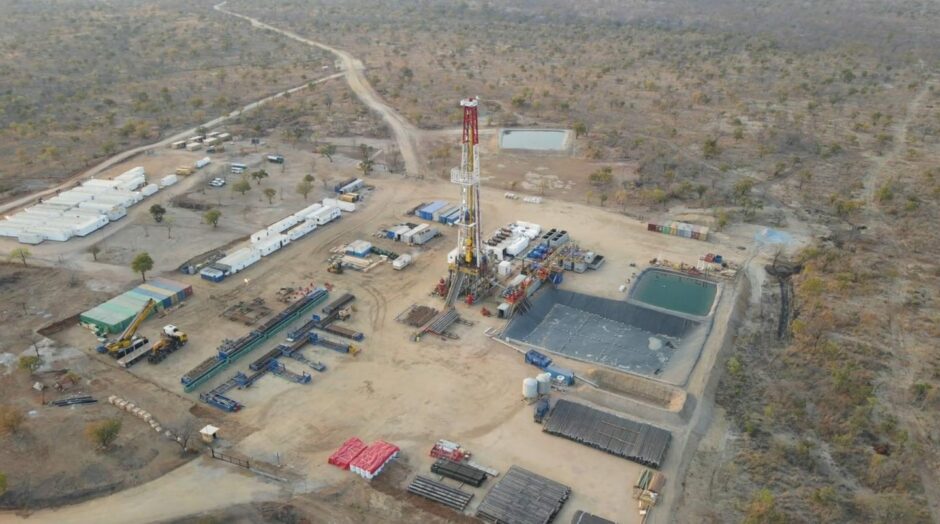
[544, 382]
[530, 388]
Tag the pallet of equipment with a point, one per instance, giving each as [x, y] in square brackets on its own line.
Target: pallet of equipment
[459, 472]
[440, 493]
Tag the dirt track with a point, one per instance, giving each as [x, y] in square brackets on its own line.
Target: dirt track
[403, 130]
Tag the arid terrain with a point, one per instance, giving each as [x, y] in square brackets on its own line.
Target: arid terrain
[805, 135]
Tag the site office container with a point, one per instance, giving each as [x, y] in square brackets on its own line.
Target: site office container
[212, 274]
[168, 180]
[307, 211]
[202, 162]
[427, 212]
[325, 215]
[348, 207]
[408, 236]
[343, 184]
[283, 225]
[423, 236]
[271, 244]
[304, 228]
[355, 185]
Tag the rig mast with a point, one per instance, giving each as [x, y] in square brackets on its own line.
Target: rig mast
[469, 271]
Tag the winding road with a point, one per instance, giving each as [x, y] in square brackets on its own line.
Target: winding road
[403, 130]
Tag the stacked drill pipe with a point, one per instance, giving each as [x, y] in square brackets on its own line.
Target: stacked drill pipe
[523, 496]
[459, 472]
[230, 351]
[636, 441]
[441, 322]
[440, 493]
[339, 303]
[341, 347]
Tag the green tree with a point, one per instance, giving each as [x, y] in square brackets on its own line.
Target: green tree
[721, 219]
[259, 175]
[157, 211]
[94, 250]
[242, 186]
[805, 177]
[29, 363]
[103, 433]
[270, 192]
[710, 148]
[762, 509]
[366, 166]
[212, 217]
[10, 420]
[304, 187]
[328, 150]
[580, 129]
[602, 176]
[3, 483]
[21, 253]
[141, 264]
[742, 188]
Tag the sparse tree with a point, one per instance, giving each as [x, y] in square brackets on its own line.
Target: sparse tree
[259, 175]
[157, 211]
[212, 217]
[602, 177]
[620, 197]
[304, 187]
[270, 192]
[328, 150]
[710, 148]
[364, 152]
[94, 250]
[242, 186]
[11, 419]
[366, 167]
[805, 177]
[185, 430]
[141, 264]
[103, 433]
[580, 129]
[21, 253]
[30, 363]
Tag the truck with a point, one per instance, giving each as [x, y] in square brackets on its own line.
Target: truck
[401, 262]
[171, 339]
[275, 159]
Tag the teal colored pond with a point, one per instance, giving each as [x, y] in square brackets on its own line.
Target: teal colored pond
[668, 290]
[535, 139]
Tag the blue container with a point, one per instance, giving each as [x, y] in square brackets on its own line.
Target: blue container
[717, 259]
[556, 278]
[537, 359]
[563, 375]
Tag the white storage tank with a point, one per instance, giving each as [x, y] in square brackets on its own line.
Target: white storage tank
[530, 388]
[544, 383]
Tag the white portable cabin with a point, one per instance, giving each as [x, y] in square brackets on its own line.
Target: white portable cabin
[97, 182]
[304, 228]
[260, 235]
[239, 260]
[349, 207]
[31, 238]
[307, 211]
[202, 162]
[284, 224]
[52, 233]
[517, 246]
[169, 180]
[43, 211]
[70, 197]
[85, 227]
[271, 244]
[407, 236]
[325, 215]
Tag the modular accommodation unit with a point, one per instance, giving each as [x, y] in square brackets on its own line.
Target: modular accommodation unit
[348, 207]
[169, 180]
[307, 211]
[427, 212]
[301, 229]
[325, 215]
[284, 224]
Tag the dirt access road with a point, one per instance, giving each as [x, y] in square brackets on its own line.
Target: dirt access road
[405, 132]
[124, 155]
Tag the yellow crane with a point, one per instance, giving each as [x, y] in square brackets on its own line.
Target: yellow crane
[128, 341]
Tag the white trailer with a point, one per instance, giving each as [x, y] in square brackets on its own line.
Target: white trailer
[401, 262]
[202, 162]
[169, 180]
[149, 189]
[304, 228]
[325, 215]
[307, 211]
[271, 244]
[284, 224]
[348, 207]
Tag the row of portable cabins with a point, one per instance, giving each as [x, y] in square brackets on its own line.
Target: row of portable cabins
[440, 211]
[679, 229]
[266, 241]
[81, 210]
[117, 313]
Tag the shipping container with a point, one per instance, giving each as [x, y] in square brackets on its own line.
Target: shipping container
[444, 211]
[212, 274]
[427, 212]
[193, 146]
[407, 237]
[424, 236]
